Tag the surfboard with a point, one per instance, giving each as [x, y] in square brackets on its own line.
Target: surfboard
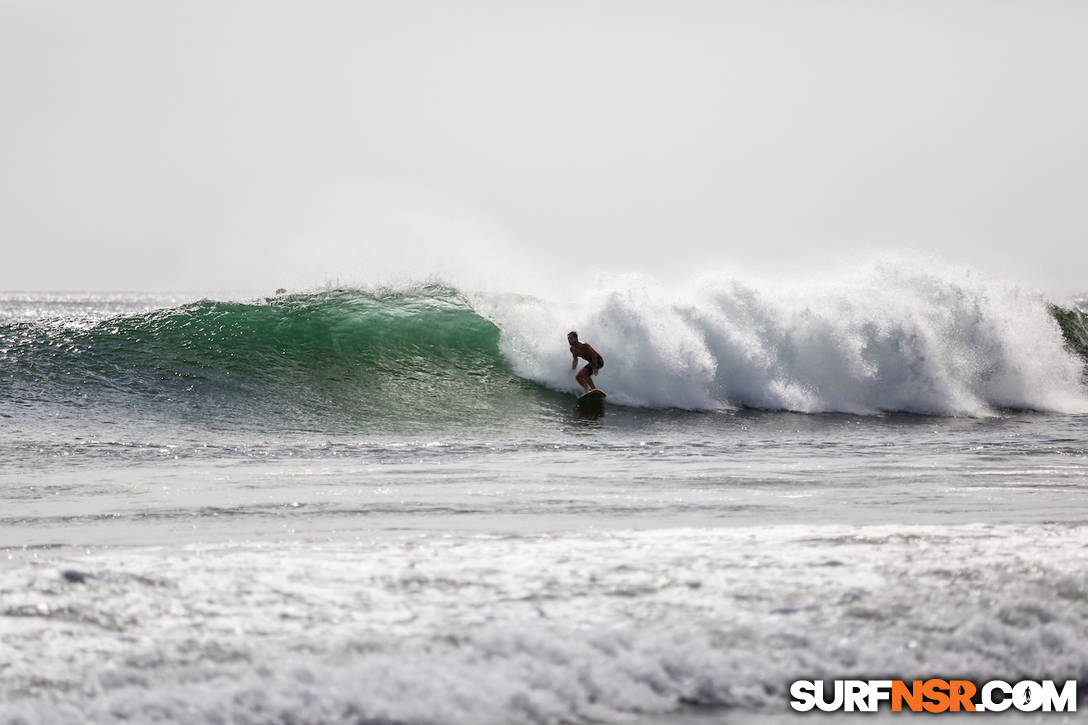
[592, 396]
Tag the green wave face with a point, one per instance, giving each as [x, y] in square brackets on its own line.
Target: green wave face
[349, 356]
[1074, 324]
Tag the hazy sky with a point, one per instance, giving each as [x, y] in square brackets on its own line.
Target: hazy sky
[202, 145]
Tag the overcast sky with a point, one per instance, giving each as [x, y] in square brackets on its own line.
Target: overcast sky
[202, 145]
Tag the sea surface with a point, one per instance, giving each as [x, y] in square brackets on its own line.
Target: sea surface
[385, 506]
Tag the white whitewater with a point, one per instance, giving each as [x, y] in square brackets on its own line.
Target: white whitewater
[888, 336]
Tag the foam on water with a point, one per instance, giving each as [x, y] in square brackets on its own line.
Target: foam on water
[526, 629]
[891, 336]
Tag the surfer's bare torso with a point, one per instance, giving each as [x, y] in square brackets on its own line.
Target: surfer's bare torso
[594, 361]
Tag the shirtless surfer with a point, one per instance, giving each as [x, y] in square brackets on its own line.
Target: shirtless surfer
[593, 359]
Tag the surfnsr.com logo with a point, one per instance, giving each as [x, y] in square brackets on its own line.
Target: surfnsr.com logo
[933, 696]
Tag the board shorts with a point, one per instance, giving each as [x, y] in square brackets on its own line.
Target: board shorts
[591, 368]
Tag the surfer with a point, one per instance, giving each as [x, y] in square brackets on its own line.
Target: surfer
[593, 359]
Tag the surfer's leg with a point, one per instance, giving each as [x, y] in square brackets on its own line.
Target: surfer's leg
[583, 378]
[586, 378]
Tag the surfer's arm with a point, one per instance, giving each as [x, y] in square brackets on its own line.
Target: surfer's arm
[574, 361]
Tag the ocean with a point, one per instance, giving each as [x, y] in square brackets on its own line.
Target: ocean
[383, 504]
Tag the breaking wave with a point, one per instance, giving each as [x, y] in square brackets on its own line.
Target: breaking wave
[883, 338]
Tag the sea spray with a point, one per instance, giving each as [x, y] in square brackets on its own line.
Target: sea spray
[890, 336]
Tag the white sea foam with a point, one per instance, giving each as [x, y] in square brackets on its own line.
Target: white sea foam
[559, 628]
[893, 335]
